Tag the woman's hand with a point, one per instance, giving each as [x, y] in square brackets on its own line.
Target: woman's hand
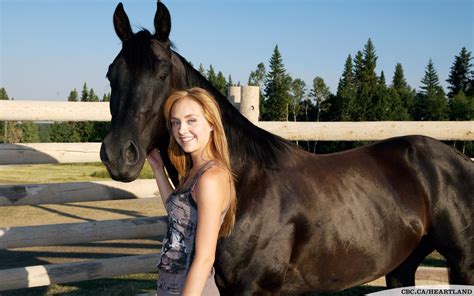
[155, 161]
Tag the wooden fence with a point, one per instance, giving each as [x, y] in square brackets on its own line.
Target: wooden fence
[61, 234]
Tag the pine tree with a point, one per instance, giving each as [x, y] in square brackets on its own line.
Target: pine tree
[73, 96]
[106, 98]
[462, 107]
[382, 78]
[10, 131]
[230, 82]
[3, 94]
[64, 132]
[358, 69]
[341, 106]
[369, 102]
[430, 81]
[211, 75]
[29, 132]
[398, 81]
[277, 86]
[202, 70]
[85, 93]
[431, 103]
[459, 76]
[92, 97]
[221, 83]
[405, 94]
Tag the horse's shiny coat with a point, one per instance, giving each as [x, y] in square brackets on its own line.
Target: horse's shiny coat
[305, 222]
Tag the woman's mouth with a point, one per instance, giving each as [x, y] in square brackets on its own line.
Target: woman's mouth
[185, 140]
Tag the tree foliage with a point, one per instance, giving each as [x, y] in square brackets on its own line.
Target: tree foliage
[459, 79]
[277, 88]
[431, 102]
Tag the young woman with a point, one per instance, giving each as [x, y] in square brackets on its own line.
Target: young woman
[202, 208]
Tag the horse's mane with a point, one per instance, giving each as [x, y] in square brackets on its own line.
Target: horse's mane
[246, 141]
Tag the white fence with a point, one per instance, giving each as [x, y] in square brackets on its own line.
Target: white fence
[60, 234]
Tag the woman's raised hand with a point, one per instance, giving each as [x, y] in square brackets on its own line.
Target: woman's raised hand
[155, 161]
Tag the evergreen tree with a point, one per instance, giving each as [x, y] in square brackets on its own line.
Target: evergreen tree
[430, 81]
[459, 76]
[277, 87]
[92, 97]
[431, 103]
[29, 132]
[202, 70]
[3, 124]
[402, 92]
[211, 76]
[64, 132]
[3, 94]
[342, 106]
[221, 84]
[382, 78]
[358, 69]
[106, 98]
[369, 102]
[399, 82]
[230, 82]
[85, 93]
[462, 107]
[73, 96]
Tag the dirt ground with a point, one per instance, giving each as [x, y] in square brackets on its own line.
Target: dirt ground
[72, 213]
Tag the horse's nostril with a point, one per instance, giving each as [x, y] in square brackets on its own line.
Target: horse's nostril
[131, 154]
[103, 154]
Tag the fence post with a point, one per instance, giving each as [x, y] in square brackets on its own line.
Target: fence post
[249, 104]
[233, 96]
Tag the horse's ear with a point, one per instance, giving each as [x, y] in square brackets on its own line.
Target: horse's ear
[121, 23]
[162, 22]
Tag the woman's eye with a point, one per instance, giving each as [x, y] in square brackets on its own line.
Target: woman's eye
[174, 123]
[192, 120]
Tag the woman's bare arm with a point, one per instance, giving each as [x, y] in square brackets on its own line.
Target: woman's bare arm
[156, 163]
[211, 194]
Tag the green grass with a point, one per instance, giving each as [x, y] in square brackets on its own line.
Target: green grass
[55, 173]
[119, 286]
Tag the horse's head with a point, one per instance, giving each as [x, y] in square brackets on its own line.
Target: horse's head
[140, 78]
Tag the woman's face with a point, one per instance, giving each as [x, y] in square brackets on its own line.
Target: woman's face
[189, 126]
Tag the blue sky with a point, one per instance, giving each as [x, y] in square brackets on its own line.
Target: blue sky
[49, 47]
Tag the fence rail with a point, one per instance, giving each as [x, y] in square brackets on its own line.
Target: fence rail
[318, 131]
[84, 232]
[61, 193]
[44, 275]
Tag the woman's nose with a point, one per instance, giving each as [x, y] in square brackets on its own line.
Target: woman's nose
[183, 129]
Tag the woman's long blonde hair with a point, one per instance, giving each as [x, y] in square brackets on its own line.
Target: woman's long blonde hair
[217, 146]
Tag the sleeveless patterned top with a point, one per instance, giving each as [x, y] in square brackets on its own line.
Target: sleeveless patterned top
[177, 251]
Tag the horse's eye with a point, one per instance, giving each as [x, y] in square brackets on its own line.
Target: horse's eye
[164, 70]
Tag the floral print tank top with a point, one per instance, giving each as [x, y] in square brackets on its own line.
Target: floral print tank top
[177, 250]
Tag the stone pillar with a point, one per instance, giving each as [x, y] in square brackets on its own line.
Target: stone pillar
[234, 95]
[249, 105]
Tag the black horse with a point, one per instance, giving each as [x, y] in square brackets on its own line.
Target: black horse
[305, 222]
